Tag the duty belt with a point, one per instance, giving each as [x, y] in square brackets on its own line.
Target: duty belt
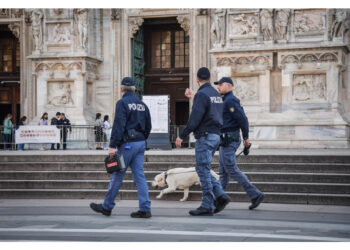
[228, 137]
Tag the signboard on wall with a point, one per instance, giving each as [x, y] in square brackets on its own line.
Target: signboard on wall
[37, 134]
[159, 109]
[158, 106]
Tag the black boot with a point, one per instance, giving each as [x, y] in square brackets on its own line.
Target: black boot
[201, 211]
[99, 209]
[221, 202]
[257, 201]
[141, 214]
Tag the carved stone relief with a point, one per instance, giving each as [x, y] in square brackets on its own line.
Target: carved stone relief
[59, 33]
[134, 25]
[309, 21]
[218, 28]
[81, 17]
[266, 24]
[16, 29]
[60, 94]
[246, 88]
[260, 62]
[116, 14]
[37, 28]
[184, 21]
[316, 58]
[309, 87]
[245, 24]
[11, 13]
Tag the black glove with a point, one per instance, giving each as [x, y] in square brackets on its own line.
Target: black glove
[246, 149]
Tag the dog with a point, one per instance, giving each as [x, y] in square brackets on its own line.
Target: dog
[178, 178]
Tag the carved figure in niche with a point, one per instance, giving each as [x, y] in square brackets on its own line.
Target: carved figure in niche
[81, 19]
[37, 30]
[218, 28]
[281, 23]
[60, 35]
[58, 11]
[250, 24]
[63, 99]
[266, 24]
[339, 25]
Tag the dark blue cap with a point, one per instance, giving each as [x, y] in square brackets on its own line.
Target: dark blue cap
[203, 73]
[224, 79]
[128, 81]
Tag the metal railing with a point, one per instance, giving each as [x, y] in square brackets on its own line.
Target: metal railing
[79, 137]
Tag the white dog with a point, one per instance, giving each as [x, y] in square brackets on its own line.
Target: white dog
[178, 178]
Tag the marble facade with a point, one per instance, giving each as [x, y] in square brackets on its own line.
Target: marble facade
[290, 66]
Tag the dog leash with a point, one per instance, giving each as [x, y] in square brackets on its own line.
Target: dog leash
[245, 151]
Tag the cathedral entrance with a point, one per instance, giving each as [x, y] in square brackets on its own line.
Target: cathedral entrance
[9, 74]
[166, 63]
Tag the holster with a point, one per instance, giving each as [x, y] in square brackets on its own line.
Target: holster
[227, 138]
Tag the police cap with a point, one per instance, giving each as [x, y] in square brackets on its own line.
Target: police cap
[224, 79]
[128, 81]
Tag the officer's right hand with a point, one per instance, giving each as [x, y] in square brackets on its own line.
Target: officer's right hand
[178, 142]
[111, 151]
[189, 93]
[246, 143]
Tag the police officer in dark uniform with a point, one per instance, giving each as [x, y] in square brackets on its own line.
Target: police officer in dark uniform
[131, 128]
[64, 124]
[54, 121]
[205, 121]
[234, 119]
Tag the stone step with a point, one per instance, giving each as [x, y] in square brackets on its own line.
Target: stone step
[295, 198]
[162, 166]
[180, 158]
[102, 175]
[281, 187]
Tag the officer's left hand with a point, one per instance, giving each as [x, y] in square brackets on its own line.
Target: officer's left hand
[178, 142]
[111, 151]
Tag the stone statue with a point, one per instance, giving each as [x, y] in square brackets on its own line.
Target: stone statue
[37, 29]
[217, 29]
[81, 19]
[281, 23]
[337, 29]
[266, 24]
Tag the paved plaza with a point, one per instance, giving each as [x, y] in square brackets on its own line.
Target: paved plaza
[73, 220]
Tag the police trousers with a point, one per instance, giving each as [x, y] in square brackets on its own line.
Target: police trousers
[211, 188]
[133, 157]
[229, 168]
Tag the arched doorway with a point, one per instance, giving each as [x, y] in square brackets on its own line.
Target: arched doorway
[9, 74]
[165, 65]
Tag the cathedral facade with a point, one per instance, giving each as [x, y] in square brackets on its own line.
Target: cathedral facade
[290, 67]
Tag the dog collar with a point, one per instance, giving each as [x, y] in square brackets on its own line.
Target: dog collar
[165, 177]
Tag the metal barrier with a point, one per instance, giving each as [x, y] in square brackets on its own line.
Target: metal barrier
[80, 137]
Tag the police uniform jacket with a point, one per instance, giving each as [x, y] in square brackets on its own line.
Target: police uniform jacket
[54, 121]
[131, 113]
[206, 115]
[66, 124]
[234, 117]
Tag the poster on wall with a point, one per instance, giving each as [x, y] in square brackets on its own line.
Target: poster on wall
[37, 134]
[159, 109]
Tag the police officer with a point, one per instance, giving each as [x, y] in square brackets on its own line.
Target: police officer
[54, 121]
[205, 121]
[234, 119]
[64, 124]
[131, 128]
